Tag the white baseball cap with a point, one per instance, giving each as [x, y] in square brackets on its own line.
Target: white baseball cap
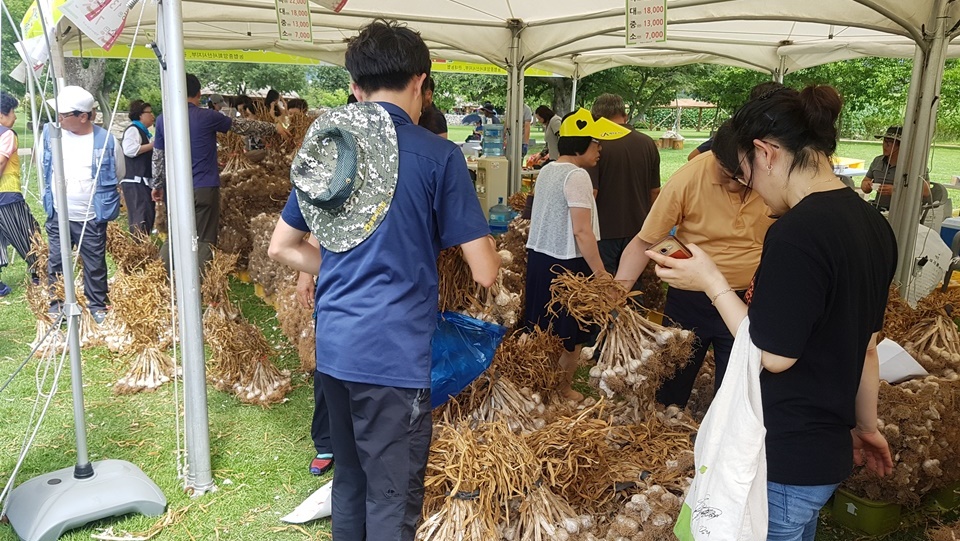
[72, 98]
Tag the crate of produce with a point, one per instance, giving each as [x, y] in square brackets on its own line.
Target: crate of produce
[945, 499]
[865, 516]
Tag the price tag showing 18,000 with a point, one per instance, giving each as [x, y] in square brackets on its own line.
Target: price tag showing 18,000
[646, 21]
[293, 20]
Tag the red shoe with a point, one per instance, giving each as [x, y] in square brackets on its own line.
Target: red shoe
[321, 464]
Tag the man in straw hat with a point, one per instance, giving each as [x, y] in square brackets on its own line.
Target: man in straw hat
[383, 197]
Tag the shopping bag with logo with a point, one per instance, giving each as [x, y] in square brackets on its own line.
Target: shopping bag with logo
[463, 348]
[728, 498]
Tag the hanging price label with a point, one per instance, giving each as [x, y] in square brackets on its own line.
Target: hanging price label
[333, 5]
[646, 21]
[293, 21]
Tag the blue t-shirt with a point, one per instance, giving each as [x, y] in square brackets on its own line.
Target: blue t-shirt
[377, 303]
[204, 126]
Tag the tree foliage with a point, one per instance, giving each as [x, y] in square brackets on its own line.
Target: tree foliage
[9, 59]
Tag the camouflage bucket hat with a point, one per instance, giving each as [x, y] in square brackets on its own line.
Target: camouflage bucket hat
[345, 174]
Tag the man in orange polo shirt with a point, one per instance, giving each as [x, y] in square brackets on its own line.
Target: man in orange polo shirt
[720, 215]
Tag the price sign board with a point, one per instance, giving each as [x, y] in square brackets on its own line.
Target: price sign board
[293, 21]
[646, 21]
[101, 20]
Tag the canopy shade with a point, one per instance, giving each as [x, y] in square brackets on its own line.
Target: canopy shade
[573, 38]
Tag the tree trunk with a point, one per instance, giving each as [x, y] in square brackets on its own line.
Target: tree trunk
[562, 92]
[89, 77]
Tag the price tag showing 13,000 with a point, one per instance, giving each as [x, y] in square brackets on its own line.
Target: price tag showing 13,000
[646, 21]
[293, 20]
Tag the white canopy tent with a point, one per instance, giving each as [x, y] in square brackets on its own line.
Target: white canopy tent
[578, 38]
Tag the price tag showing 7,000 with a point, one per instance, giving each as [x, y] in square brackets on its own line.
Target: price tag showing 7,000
[646, 21]
[293, 20]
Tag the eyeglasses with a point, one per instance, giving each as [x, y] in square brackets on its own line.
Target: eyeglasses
[148, 112]
[738, 174]
[597, 141]
[62, 116]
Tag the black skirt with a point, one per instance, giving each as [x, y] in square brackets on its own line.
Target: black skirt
[541, 270]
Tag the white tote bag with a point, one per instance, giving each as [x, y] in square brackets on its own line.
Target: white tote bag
[728, 498]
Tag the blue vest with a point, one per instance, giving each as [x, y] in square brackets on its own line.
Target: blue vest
[106, 198]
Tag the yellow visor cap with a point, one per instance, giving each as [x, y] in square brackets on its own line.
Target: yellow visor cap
[582, 124]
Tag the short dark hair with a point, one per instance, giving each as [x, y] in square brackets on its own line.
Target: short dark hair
[385, 55]
[193, 86]
[136, 109]
[297, 103]
[245, 101]
[429, 84]
[545, 113]
[7, 103]
[573, 145]
[608, 105]
[272, 96]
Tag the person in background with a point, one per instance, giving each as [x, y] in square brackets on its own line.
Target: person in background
[274, 104]
[883, 170]
[551, 129]
[216, 102]
[816, 303]
[626, 181]
[205, 124]
[17, 224]
[297, 106]
[432, 118]
[713, 210]
[527, 120]
[137, 155]
[488, 114]
[415, 198]
[92, 167]
[563, 233]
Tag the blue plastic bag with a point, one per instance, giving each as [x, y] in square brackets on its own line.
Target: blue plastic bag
[463, 349]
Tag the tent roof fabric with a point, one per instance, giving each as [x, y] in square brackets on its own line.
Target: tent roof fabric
[576, 38]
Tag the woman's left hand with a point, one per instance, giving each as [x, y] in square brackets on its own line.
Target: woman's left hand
[697, 273]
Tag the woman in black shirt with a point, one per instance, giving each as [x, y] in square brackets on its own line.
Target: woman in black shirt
[815, 305]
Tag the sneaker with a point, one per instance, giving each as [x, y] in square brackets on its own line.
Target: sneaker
[4, 289]
[321, 464]
[34, 279]
[99, 316]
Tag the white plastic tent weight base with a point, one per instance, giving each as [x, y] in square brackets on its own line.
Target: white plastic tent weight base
[44, 507]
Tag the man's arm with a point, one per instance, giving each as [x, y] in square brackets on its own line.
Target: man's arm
[256, 128]
[632, 262]
[869, 445]
[290, 246]
[482, 258]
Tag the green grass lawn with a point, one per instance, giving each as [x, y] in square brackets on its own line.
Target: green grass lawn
[259, 455]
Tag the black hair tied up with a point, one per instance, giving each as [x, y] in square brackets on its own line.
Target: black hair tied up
[803, 123]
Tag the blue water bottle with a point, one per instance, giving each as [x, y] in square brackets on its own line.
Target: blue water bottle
[500, 216]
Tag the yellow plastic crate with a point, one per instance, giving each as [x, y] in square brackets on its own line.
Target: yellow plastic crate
[851, 163]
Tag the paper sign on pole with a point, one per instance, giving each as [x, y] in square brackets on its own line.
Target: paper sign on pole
[293, 21]
[646, 21]
[333, 5]
[100, 20]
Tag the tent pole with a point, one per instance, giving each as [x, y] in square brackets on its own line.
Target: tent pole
[515, 108]
[918, 129]
[781, 70]
[573, 95]
[180, 187]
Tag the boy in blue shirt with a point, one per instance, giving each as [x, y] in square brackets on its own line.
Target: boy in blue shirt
[383, 196]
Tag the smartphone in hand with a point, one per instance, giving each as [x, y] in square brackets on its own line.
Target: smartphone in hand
[671, 246]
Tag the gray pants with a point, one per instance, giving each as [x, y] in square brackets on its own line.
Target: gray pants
[381, 440]
[93, 253]
[16, 229]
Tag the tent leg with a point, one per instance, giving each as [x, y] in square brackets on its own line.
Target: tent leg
[180, 187]
[918, 128]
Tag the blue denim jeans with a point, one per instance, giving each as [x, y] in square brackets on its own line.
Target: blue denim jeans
[794, 510]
